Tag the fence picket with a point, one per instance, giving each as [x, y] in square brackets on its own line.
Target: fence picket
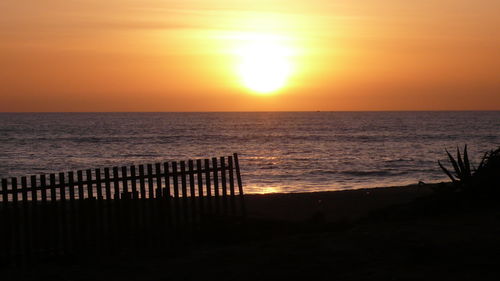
[192, 192]
[90, 189]
[24, 189]
[133, 180]
[166, 193]
[151, 193]
[175, 180]
[231, 183]
[34, 189]
[183, 179]
[53, 197]
[125, 192]
[79, 179]
[215, 169]
[107, 183]
[116, 184]
[62, 187]
[5, 191]
[141, 181]
[43, 188]
[98, 184]
[158, 180]
[224, 183]
[199, 180]
[71, 184]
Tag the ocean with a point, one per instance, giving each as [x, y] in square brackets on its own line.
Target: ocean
[279, 151]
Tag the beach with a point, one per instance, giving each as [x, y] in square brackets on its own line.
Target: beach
[393, 233]
[330, 206]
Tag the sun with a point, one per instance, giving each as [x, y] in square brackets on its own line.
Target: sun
[265, 65]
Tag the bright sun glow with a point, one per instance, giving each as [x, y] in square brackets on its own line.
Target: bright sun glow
[265, 64]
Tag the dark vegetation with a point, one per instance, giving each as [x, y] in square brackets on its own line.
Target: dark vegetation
[481, 180]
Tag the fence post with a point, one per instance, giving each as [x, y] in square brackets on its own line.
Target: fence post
[81, 194]
[107, 183]
[90, 190]
[240, 184]
[43, 188]
[216, 185]
[6, 225]
[125, 193]
[224, 183]
[158, 181]
[151, 191]
[199, 180]
[192, 193]
[166, 193]
[98, 186]
[231, 184]
[208, 185]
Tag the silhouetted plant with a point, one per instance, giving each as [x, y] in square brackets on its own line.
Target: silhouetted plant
[462, 167]
[486, 175]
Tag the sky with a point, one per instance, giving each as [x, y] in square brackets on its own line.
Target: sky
[218, 55]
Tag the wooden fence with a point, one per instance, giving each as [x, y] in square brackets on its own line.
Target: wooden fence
[116, 209]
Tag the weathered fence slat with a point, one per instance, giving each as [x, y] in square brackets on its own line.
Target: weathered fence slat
[43, 188]
[79, 175]
[24, 188]
[240, 183]
[224, 183]
[208, 185]
[207, 178]
[158, 180]
[53, 197]
[107, 182]
[231, 184]
[166, 193]
[34, 191]
[199, 178]
[183, 179]
[62, 187]
[14, 190]
[90, 189]
[192, 192]
[151, 193]
[71, 183]
[176, 180]
[5, 192]
[199, 181]
[216, 185]
[125, 193]
[98, 184]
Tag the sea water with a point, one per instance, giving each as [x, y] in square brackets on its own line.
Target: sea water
[279, 151]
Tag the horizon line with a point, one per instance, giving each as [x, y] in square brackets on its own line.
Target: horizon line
[256, 111]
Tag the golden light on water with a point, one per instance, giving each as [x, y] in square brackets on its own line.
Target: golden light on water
[264, 63]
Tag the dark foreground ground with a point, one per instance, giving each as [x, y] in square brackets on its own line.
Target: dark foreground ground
[404, 233]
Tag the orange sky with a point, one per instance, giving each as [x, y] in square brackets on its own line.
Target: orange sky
[173, 55]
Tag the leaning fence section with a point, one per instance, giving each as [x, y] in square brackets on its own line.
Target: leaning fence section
[109, 209]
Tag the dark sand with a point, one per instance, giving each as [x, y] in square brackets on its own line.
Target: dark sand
[395, 233]
[332, 206]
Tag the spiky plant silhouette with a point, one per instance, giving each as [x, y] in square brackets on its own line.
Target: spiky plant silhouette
[462, 167]
[464, 176]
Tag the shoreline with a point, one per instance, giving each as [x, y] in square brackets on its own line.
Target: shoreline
[330, 206]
